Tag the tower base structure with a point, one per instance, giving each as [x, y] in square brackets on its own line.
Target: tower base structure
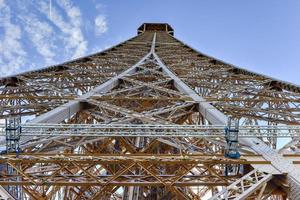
[146, 119]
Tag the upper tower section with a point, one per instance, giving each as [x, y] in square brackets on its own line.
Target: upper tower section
[155, 27]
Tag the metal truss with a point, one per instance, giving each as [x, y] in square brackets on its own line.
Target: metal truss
[245, 186]
[151, 130]
[63, 163]
[4, 194]
[145, 119]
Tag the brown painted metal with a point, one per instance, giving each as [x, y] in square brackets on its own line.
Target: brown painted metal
[140, 168]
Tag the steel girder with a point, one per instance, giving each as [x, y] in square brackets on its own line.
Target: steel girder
[152, 91]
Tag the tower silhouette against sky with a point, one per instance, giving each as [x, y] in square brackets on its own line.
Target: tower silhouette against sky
[149, 118]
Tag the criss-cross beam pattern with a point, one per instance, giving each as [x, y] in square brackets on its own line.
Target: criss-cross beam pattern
[236, 92]
[39, 91]
[135, 84]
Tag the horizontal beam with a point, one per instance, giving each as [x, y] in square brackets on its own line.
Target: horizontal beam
[113, 183]
[144, 130]
[134, 98]
[23, 158]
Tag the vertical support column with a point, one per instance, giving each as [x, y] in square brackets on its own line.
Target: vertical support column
[134, 191]
[231, 149]
[13, 134]
[231, 135]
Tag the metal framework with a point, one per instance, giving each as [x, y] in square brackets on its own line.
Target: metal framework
[151, 130]
[146, 119]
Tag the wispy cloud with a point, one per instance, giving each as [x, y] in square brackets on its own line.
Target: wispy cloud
[42, 35]
[70, 28]
[28, 30]
[2, 4]
[100, 25]
[12, 55]
[99, 7]
[100, 21]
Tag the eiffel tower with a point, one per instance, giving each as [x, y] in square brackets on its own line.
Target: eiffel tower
[149, 118]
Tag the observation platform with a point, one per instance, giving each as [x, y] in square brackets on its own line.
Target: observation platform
[155, 27]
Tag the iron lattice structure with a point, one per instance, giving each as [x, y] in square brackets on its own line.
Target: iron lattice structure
[154, 103]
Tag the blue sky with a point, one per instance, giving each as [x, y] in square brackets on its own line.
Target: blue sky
[259, 35]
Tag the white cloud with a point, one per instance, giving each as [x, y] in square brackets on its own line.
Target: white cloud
[73, 12]
[100, 25]
[72, 35]
[99, 7]
[2, 4]
[29, 26]
[41, 35]
[12, 55]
